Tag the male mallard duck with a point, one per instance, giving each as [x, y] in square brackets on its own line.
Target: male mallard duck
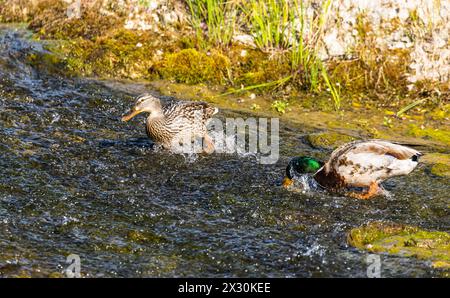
[177, 122]
[357, 164]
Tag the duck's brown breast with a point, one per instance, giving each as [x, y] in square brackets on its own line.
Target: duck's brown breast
[330, 180]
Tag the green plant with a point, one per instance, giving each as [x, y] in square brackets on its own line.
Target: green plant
[219, 16]
[145, 3]
[281, 25]
[280, 106]
[410, 106]
[270, 22]
[304, 55]
[255, 107]
[335, 92]
[387, 122]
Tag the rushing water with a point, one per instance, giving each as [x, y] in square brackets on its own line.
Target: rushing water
[76, 180]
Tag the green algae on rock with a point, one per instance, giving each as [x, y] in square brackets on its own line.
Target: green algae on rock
[430, 133]
[435, 157]
[328, 140]
[122, 53]
[145, 237]
[441, 170]
[192, 67]
[403, 240]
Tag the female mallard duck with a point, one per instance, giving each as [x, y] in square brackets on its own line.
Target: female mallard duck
[357, 164]
[175, 123]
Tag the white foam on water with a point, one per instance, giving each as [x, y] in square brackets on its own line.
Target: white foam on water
[304, 184]
[226, 144]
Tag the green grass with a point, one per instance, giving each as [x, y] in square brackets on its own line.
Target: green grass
[410, 106]
[270, 21]
[219, 16]
[274, 24]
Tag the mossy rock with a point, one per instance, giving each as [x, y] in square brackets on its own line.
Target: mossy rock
[192, 67]
[121, 53]
[440, 163]
[433, 158]
[441, 170]
[404, 241]
[439, 135]
[257, 68]
[328, 140]
[49, 18]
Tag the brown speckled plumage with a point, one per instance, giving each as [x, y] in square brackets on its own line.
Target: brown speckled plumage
[173, 123]
[181, 118]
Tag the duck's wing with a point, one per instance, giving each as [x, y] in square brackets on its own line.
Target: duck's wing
[381, 147]
[194, 111]
[363, 162]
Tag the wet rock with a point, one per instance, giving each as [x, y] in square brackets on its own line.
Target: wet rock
[56, 275]
[439, 135]
[144, 237]
[441, 170]
[402, 240]
[162, 266]
[435, 158]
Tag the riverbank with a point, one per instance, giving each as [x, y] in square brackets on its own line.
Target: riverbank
[368, 57]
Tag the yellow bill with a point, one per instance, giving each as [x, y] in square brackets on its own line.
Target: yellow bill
[131, 115]
[287, 182]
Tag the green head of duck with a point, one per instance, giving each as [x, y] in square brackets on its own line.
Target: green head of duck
[301, 165]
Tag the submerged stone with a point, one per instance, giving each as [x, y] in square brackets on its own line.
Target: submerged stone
[144, 237]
